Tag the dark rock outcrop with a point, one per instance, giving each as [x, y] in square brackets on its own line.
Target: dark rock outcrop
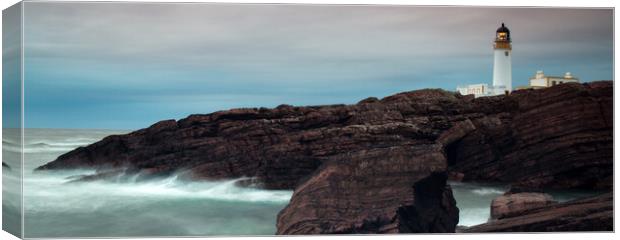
[388, 190]
[277, 146]
[590, 214]
[559, 137]
[434, 209]
[355, 168]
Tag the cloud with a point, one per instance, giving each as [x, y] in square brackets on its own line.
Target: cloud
[313, 52]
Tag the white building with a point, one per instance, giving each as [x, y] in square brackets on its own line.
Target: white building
[479, 90]
[541, 81]
[502, 68]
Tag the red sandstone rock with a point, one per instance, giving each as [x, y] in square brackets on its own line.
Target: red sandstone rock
[404, 191]
[556, 137]
[590, 214]
[559, 137]
[510, 204]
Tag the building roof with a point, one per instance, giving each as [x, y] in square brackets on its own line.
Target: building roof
[562, 77]
[503, 28]
[541, 75]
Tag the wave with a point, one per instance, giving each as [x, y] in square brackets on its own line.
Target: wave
[126, 207]
[41, 147]
[56, 144]
[52, 191]
[166, 207]
[488, 191]
[14, 149]
[473, 215]
[53, 140]
[227, 190]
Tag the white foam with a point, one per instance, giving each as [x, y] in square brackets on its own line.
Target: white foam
[52, 192]
[488, 191]
[55, 208]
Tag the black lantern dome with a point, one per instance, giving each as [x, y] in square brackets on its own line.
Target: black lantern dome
[502, 34]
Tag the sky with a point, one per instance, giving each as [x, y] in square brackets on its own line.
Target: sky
[129, 65]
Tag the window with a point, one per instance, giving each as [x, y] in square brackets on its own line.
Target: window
[506, 53]
[553, 83]
[502, 36]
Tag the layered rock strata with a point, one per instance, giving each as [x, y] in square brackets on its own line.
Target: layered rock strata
[590, 214]
[559, 137]
[391, 190]
[514, 204]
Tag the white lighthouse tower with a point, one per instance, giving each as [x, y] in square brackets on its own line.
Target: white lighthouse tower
[502, 69]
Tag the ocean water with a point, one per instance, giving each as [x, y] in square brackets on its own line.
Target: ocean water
[163, 207]
[54, 207]
[474, 199]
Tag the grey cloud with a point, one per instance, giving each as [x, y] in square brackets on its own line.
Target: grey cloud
[342, 41]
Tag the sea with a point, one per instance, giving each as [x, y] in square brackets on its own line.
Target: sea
[55, 207]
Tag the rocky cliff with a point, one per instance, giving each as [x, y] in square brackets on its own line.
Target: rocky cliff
[379, 165]
[559, 137]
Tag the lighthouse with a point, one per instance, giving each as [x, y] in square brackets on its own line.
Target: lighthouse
[502, 69]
